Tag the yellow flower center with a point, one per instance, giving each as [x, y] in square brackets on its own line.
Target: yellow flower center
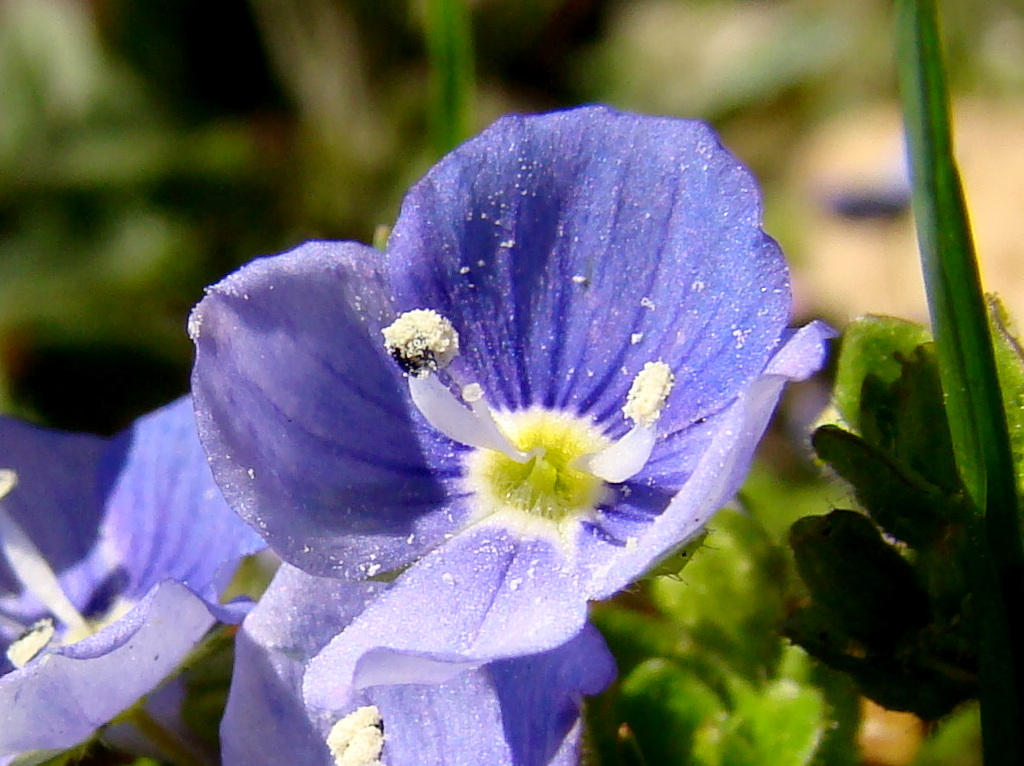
[550, 485]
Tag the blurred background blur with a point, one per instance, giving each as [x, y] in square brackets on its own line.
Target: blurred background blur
[148, 147]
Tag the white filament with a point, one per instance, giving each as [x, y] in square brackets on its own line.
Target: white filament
[623, 459]
[646, 399]
[473, 426]
[30, 567]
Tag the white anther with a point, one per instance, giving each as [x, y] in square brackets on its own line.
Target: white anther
[30, 567]
[8, 481]
[26, 646]
[644, 402]
[358, 738]
[421, 341]
[647, 395]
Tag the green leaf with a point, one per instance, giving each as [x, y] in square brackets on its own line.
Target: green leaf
[871, 346]
[731, 597]
[781, 724]
[670, 711]
[956, 740]
[1010, 365]
[901, 501]
[869, 592]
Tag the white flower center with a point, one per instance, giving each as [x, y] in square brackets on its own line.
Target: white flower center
[358, 738]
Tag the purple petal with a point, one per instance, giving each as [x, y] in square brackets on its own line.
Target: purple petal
[521, 712]
[571, 248]
[60, 698]
[166, 519]
[265, 715]
[717, 474]
[307, 420]
[551, 682]
[490, 595]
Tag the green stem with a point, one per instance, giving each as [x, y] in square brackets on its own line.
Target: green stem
[450, 50]
[969, 380]
[165, 741]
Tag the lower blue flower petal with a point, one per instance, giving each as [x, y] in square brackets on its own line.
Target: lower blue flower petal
[61, 697]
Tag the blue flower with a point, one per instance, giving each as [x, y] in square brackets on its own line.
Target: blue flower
[113, 556]
[556, 374]
[408, 710]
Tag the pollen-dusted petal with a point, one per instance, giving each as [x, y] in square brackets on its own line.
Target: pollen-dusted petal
[570, 248]
[59, 700]
[708, 476]
[647, 396]
[520, 711]
[308, 422]
[421, 341]
[491, 594]
[265, 715]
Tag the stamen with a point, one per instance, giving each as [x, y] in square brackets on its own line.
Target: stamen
[473, 426]
[647, 395]
[26, 646]
[30, 567]
[421, 341]
[644, 404]
[358, 738]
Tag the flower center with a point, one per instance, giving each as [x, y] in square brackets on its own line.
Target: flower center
[536, 463]
[551, 484]
[32, 570]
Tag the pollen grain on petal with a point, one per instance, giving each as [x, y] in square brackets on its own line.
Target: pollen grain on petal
[421, 341]
[647, 395]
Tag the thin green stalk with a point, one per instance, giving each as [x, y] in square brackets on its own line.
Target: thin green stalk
[166, 742]
[969, 380]
[450, 50]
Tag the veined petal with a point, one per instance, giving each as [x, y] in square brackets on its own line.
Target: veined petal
[486, 594]
[307, 421]
[266, 720]
[165, 517]
[519, 712]
[60, 698]
[570, 249]
[717, 473]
